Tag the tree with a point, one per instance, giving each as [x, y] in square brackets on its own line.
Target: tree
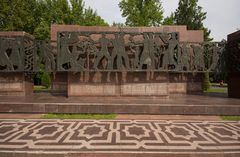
[77, 11]
[46, 79]
[42, 31]
[190, 14]
[17, 15]
[92, 19]
[142, 12]
[36, 16]
[206, 81]
[118, 24]
[169, 20]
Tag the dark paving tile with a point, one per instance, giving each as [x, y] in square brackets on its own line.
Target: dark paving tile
[128, 137]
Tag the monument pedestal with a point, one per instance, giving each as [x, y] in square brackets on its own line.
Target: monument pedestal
[185, 83]
[133, 84]
[15, 84]
[59, 82]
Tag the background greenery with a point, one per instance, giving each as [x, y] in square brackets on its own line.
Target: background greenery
[36, 16]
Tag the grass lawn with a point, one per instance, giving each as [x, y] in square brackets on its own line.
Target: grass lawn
[217, 90]
[218, 84]
[40, 88]
[234, 118]
[79, 116]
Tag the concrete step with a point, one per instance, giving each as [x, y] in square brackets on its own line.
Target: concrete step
[178, 105]
[101, 108]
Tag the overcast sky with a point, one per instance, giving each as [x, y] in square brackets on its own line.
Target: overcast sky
[223, 16]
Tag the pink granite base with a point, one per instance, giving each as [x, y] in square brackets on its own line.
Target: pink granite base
[15, 84]
[133, 84]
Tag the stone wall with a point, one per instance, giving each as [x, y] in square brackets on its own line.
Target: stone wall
[134, 83]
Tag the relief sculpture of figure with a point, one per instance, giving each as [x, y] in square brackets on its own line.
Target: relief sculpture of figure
[216, 52]
[148, 54]
[215, 56]
[185, 58]
[81, 50]
[15, 56]
[76, 61]
[91, 50]
[135, 49]
[120, 52]
[67, 40]
[4, 59]
[169, 53]
[173, 44]
[47, 55]
[104, 42]
[198, 61]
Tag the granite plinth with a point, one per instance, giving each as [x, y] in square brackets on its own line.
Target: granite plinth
[174, 105]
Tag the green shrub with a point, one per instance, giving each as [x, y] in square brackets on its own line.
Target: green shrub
[206, 81]
[46, 79]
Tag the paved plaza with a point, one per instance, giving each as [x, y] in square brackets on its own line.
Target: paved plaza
[111, 136]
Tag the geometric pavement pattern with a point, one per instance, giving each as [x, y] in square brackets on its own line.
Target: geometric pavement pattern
[120, 135]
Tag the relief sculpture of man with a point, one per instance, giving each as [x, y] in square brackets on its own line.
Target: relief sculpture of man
[148, 54]
[4, 59]
[104, 43]
[47, 54]
[15, 56]
[120, 52]
[76, 61]
[169, 53]
[217, 50]
[135, 49]
[185, 57]
[198, 60]
[67, 40]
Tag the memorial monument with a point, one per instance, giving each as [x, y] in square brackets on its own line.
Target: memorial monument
[111, 61]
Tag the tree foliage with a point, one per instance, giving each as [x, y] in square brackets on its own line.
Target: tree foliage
[118, 24]
[169, 20]
[190, 14]
[142, 12]
[206, 81]
[46, 79]
[17, 15]
[36, 16]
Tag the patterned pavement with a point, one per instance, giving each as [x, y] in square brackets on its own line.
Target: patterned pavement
[120, 135]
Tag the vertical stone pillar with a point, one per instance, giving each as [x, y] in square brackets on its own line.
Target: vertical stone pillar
[60, 83]
[233, 53]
